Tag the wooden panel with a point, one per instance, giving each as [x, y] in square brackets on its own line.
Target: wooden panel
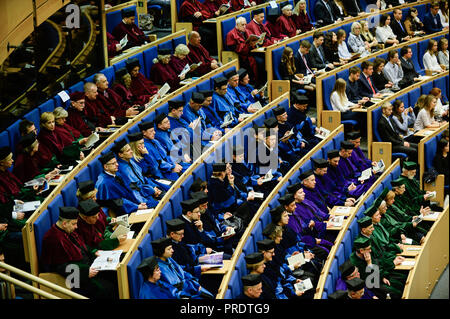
[438, 186]
[331, 119]
[382, 150]
[278, 88]
[228, 56]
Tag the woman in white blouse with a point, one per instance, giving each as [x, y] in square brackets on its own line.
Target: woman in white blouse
[343, 51]
[443, 56]
[430, 61]
[340, 102]
[425, 118]
[440, 110]
[356, 42]
[384, 32]
[443, 13]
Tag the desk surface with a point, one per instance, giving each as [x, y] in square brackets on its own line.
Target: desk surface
[142, 218]
[410, 253]
[336, 210]
[126, 245]
[219, 271]
[402, 267]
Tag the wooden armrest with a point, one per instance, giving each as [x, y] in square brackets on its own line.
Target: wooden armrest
[228, 56]
[438, 186]
[183, 25]
[56, 279]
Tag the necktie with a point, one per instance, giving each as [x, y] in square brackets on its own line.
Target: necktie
[370, 83]
[400, 24]
[320, 54]
[306, 64]
[329, 10]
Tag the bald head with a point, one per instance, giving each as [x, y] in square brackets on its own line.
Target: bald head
[90, 90]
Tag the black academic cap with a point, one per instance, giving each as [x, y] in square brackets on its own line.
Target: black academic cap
[134, 137]
[116, 205]
[320, 162]
[89, 207]
[257, 11]
[254, 258]
[286, 199]
[121, 72]
[383, 193]
[201, 197]
[230, 74]
[397, 182]
[372, 210]
[242, 73]
[265, 244]
[147, 266]
[118, 145]
[106, 158]
[128, 12]
[300, 99]
[4, 152]
[409, 165]
[279, 110]
[207, 93]
[68, 212]
[272, 12]
[271, 122]
[27, 139]
[189, 205]
[146, 125]
[361, 242]
[338, 294]
[164, 51]
[332, 154]
[294, 188]
[198, 97]
[346, 269]
[276, 213]
[269, 229]
[175, 224]
[364, 222]
[220, 81]
[76, 96]
[130, 64]
[219, 167]
[347, 145]
[160, 245]
[353, 136]
[306, 174]
[355, 284]
[86, 187]
[251, 280]
[175, 104]
[160, 117]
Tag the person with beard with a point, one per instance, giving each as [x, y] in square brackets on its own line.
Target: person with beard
[140, 86]
[127, 27]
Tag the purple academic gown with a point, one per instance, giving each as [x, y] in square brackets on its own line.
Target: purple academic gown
[341, 285]
[360, 160]
[327, 187]
[351, 173]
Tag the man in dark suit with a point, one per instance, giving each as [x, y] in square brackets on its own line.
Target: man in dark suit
[324, 13]
[352, 89]
[353, 7]
[302, 59]
[388, 134]
[410, 74]
[366, 86]
[398, 27]
[317, 54]
[432, 20]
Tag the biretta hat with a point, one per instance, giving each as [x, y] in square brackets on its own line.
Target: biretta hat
[68, 212]
[89, 207]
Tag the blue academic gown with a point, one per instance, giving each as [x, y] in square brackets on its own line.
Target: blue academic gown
[206, 128]
[165, 163]
[159, 290]
[173, 274]
[108, 188]
[247, 91]
[222, 105]
[238, 97]
[137, 183]
[172, 150]
[303, 124]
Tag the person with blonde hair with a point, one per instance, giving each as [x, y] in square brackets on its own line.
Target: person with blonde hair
[301, 17]
[368, 37]
[286, 23]
[343, 52]
[340, 102]
[50, 144]
[356, 42]
[430, 61]
[425, 118]
[67, 133]
[443, 55]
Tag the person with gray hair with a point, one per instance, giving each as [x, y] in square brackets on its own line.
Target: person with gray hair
[198, 53]
[286, 23]
[67, 133]
[95, 111]
[178, 60]
[356, 42]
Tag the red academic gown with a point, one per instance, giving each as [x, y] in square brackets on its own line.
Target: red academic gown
[92, 235]
[177, 64]
[112, 44]
[141, 86]
[51, 142]
[213, 6]
[97, 113]
[303, 22]
[113, 103]
[163, 73]
[26, 167]
[9, 186]
[187, 10]
[78, 119]
[287, 25]
[258, 29]
[199, 54]
[237, 5]
[135, 35]
[67, 133]
[274, 30]
[128, 96]
[236, 42]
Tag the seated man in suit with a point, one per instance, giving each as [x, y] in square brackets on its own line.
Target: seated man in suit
[388, 134]
[432, 20]
[352, 88]
[303, 63]
[317, 54]
[410, 74]
[353, 7]
[366, 86]
[324, 13]
[398, 27]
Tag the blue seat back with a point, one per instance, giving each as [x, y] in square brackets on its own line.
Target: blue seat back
[135, 278]
[53, 208]
[328, 85]
[276, 62]
[376, 115]
[69, 194]
[227, 26]
[41, 225]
